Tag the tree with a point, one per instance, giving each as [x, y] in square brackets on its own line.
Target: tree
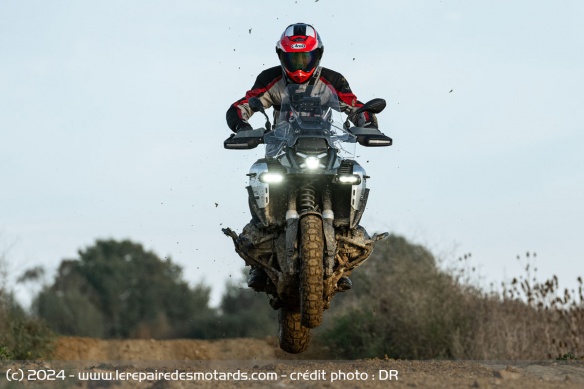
[118, 289]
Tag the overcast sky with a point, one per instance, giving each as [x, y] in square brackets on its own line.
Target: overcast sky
[112, 121]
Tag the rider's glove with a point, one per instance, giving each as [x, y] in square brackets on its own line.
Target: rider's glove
[243, 127]
[368, 120]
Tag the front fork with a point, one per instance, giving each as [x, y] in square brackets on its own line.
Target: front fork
[329, 232]
[307, 197]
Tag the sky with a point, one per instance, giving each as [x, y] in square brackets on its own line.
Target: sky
[112, 121]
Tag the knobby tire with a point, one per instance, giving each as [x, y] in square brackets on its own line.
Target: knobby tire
[311, 270]
[293, 336]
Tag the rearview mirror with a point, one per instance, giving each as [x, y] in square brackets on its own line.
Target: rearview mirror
[373, 106]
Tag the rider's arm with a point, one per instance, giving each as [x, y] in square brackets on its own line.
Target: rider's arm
[239, 112]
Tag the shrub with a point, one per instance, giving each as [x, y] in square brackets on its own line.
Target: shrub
[22, 337]
[403, 306]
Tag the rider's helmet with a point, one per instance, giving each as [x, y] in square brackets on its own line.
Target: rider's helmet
[300, 50]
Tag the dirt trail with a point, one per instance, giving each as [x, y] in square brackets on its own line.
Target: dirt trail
[231, 363]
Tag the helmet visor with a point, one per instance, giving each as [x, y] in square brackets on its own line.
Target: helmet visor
[299, 61]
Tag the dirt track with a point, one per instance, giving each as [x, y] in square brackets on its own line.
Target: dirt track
[226, 364]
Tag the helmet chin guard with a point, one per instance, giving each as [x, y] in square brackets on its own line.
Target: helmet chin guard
[299, 50]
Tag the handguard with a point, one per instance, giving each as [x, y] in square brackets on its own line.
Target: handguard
[370, 137]
[244, 140]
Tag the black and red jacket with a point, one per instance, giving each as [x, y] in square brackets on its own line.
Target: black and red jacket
[270, 85]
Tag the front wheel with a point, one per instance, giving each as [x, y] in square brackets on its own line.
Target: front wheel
[311, 270]
[293, 336]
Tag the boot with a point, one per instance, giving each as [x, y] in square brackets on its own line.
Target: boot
[344, 284]
[257, 279]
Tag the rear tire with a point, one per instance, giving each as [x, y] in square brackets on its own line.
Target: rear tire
[311, 270]
[293, 336]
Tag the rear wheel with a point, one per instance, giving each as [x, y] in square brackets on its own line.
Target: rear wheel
[311, 270]
[293, 336]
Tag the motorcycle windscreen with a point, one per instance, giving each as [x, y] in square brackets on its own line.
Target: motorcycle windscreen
[310, 113]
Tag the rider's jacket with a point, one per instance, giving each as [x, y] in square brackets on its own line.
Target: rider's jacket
[270, 85]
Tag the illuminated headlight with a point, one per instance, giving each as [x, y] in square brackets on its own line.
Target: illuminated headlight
[352, 179]
[312, 163]
[271, 178]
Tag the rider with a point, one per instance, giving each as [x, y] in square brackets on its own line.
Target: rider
[300, 50]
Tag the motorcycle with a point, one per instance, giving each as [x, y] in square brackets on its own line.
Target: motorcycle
[306, 198]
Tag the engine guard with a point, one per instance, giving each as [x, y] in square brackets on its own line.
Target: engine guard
[350, 252]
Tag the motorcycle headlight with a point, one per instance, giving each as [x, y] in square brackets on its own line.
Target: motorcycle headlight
[311, 162]
[271, 178]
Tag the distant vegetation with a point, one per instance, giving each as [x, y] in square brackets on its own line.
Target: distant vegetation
[116, 289]
[402, 306]
[21, 336]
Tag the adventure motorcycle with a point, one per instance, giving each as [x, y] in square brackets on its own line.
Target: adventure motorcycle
[306, 198]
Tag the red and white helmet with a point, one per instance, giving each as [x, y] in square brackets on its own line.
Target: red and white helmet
[300, 50]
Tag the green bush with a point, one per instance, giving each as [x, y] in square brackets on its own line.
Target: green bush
[22, 337]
